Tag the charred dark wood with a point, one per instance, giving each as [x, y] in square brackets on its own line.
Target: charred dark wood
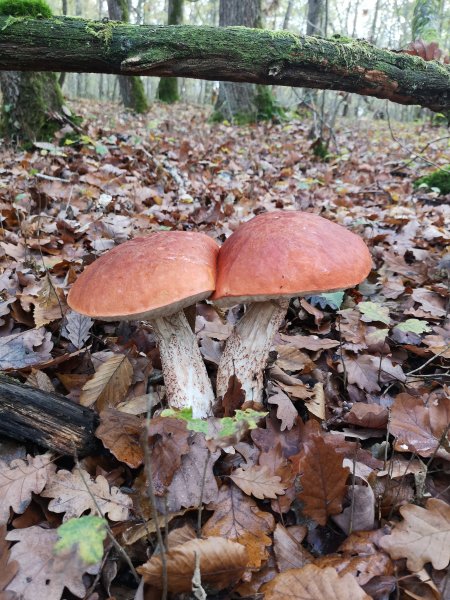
[222, 53]
[47, 419]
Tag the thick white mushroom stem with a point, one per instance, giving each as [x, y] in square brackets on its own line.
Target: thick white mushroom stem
[185, 376]
[247, 349]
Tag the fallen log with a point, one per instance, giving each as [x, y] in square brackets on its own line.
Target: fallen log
[47, 419]
[222, 53]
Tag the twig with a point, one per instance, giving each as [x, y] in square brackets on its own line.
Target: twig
[152, 498]
[428, 361]
[202, 488]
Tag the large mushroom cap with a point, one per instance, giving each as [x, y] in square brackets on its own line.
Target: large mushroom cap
[286, 254]
[147, 277]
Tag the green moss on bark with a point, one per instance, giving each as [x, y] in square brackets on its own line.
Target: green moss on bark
[140, 104]
[168, 90]
[25, 8]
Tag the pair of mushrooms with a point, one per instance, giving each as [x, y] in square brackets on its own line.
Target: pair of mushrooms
[265, 262]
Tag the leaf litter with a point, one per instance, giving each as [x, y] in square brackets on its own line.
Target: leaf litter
[268, 503]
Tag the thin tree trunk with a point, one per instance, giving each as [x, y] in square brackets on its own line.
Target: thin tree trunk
[131, 88]
[287, 15]
[168, 86]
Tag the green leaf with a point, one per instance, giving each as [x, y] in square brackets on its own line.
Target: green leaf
[334, 299]
[227, 425]
[84, 535]
[414, 326]
[374, 312]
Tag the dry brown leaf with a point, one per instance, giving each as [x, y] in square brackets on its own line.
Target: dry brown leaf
[367, 415]
[237, 517]
[309, 342]
[423, 535]
[109, 384]
[360, 514]
[74, 493]
[120, 433]
[193, 481]
[323, 480]
[419, 428]
[222, 563]
[77, 328]
[312, 583]
[40, 380]
[282, 467]
[258, 481]
[286, 411]
[24, 349]
[168, 443]
[42, 574]
[292, 359]
[369, 372]
[20, 479]
[8, 568]
[287, 545]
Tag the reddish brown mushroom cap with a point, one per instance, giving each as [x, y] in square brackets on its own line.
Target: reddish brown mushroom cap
[147, 277]
[286, 254]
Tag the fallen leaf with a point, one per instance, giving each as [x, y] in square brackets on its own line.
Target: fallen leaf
[222, 563]
[8, 567]
[42, 574]
[371, 311]
[372, 416]
[323, 480]
[83, 536]
[423, 536]
[193, 482]
[109, 384]
[258, 481]
[292, 359]
[286, 411]
[312, 583]
[360, 514]
[419, 428]
[369, 372]
[168, 443]
[120, 433]
[287, 545]
[237, 517]
[40, 380]
[24, 349]
[20, 479]
[74, 493]
[77, 328]
[309, 342]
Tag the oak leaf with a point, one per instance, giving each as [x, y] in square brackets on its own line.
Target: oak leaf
[419, 428]
[20, 479]
[323, 480]
[286, 411]
[120, 433]
[423, 535]
[237, 517]
[312, 583]
[258, 481]
[109, 384]
[42, 574]
[193, 482]
[222, 563]
[74, 493]
[24, 349]
[369, 372]
[77, 328]
[8, 568]
[168, 443]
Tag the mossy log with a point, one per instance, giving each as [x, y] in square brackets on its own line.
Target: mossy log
[222, 53]
[47, 419]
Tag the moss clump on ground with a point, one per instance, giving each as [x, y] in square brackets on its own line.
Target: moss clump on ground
[25, 8]
[437, 179]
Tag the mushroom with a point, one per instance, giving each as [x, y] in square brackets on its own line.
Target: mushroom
[268, 260]
[154, 278]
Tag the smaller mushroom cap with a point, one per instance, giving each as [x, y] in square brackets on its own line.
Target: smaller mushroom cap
[147, 277]
[286, 254]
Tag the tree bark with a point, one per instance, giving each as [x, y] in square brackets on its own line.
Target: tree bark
[49, 420]
[131, 88]
[238, 100]
[168, 86]
[223, 53]
[315, 9]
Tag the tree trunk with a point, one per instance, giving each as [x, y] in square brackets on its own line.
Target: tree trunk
[426, 23]
[240, 102]
[131, 88]
[31, 108]
[315, 9]
[168, 86]
[223, 53]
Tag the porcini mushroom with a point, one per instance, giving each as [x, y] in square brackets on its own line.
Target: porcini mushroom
[154, 278]
[265, 262]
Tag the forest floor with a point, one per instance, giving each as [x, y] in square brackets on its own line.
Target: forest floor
[347, 473]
